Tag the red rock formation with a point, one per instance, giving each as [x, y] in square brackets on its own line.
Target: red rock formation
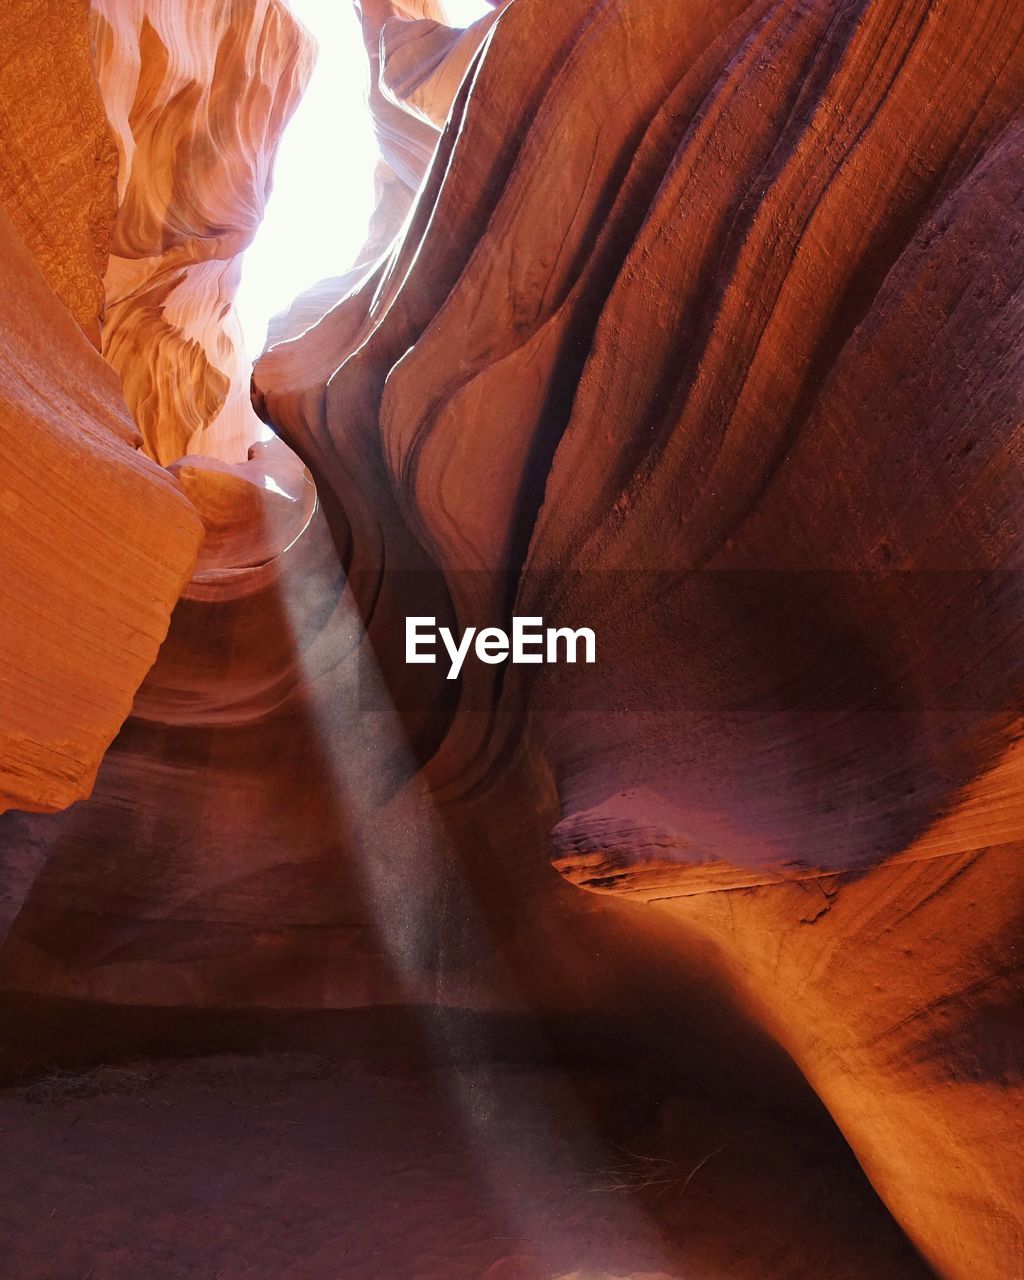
[260, 840]
[58, 164]
[704, 329]
[423, 62]
[733, 374]
[230, 858]
[95, 541]
[198, 107]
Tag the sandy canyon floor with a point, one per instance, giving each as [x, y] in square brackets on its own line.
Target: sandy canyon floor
[291, 1167]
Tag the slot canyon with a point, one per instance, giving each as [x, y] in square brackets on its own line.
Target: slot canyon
[696, 323]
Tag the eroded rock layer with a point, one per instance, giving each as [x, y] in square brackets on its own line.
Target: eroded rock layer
[58, 163]
[95, 540]
[261, 839]
[705, 329]
[198, 99]
[732, 372]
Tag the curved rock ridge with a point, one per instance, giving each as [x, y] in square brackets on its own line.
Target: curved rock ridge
[733, 374]
[423, 62]
[96, 541]
[198, 97]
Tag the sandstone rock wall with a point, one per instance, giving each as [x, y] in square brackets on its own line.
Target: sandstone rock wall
[707, 331]
[58, 165]
[198, 98]
[261, 839]
[95, 541]
[704, 328]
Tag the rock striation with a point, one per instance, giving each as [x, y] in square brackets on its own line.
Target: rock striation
[700, 325]
[96, 542]
[198, 107]
[732, 372]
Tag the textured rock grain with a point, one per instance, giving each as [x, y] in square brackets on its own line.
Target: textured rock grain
[705, 328]
[58, 163]
[95, 541]
[96, 544]
[733, 373]
[198, 100]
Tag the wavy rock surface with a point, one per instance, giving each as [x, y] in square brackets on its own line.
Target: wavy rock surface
[198, 101]
[733, 374]
[95, 541]
[423, 62]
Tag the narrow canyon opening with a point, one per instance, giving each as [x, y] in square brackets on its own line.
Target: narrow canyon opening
[318, 215]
